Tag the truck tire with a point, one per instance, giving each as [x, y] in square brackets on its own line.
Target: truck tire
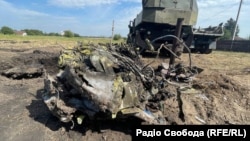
[205, 50]
[209, 51]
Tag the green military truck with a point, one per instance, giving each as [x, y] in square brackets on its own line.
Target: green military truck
[157, 20]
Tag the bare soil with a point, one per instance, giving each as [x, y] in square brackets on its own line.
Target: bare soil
[222, 97]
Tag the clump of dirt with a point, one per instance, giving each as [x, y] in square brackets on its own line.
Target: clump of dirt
[24, 72]
[214, 99]
[218, 94]
[30, 65]
[37, 57]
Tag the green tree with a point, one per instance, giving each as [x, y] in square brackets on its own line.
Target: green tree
[68, 33]
[76, 35]
[6, 30]
[53, 34]
[117, 37]
[33, 32]
[229, 29]
[227, 35]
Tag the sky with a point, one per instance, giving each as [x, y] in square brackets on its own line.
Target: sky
[95, 17]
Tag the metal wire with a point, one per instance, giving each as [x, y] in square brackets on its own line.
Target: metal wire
[181, 41]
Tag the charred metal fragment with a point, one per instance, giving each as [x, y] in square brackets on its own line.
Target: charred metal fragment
[102, 82]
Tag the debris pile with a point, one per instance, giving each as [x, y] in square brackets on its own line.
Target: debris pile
[97, 81]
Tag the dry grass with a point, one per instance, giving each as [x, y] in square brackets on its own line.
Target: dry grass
[17, 42]
[235, 65]
[221, 61]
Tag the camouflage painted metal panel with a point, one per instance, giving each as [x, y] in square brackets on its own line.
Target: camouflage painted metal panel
[168, 11]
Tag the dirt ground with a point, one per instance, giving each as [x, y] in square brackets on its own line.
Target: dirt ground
[223, 97]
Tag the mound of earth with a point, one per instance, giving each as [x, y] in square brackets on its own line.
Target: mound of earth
[217, 99]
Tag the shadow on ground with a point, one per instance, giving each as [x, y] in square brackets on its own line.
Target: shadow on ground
[40, 113]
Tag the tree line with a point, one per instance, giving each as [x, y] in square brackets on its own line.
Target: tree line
[228, 27]
[34, 32]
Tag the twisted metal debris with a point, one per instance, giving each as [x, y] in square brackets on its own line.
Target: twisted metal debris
[110, 82]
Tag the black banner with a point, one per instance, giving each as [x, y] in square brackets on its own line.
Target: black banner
[192, 132]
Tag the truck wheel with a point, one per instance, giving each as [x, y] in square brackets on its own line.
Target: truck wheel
[205, 50]
[209, 51]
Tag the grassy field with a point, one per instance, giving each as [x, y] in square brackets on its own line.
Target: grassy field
[223, 62]
[13, 41]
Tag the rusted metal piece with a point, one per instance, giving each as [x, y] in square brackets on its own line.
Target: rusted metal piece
[175, 43]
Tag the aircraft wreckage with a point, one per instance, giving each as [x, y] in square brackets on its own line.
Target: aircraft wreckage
[111, 82]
